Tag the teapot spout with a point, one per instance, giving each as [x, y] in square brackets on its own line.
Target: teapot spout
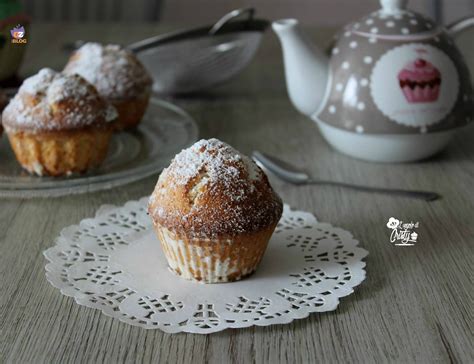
[306, 66]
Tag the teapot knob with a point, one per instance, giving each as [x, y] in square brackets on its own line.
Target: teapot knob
[393, 6]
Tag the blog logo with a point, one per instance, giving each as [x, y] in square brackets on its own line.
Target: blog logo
[18, 34]
[403, 233]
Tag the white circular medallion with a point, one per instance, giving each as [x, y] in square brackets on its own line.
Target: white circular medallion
[415, 84]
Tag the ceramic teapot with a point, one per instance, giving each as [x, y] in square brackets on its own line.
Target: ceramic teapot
[395, 88]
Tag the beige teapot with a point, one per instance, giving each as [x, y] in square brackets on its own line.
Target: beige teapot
[395, 88]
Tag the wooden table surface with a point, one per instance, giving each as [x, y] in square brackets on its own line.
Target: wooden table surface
[415, 305]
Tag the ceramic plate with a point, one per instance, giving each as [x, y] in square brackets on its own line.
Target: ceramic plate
[164, 131]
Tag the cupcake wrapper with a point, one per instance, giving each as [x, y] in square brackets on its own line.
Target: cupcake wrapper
[421, 94]
[130, 112]
[214, 260]
[60, 153]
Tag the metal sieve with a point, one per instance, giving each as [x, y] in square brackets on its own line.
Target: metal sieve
[192, 60]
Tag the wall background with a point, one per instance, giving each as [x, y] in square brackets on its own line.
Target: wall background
[198, 12]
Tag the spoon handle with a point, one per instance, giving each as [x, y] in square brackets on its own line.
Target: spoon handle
[424, 195]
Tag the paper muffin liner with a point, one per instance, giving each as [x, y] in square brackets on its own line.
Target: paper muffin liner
[60, 152]
[214, 260]
[421, 94]
[130, 111]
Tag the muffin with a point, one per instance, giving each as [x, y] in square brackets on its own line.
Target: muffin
[58, 124]
[119, 77]
[214, 212]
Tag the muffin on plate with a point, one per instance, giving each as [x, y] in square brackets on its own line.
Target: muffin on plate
[118, 76]
[214, 212]
[58, 124]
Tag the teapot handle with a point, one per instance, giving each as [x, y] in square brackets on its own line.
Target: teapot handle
[460, 25]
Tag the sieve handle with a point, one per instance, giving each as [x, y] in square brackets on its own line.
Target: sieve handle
[230, 16]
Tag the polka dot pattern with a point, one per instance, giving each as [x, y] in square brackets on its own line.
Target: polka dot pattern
[350, 105]
[403, 23]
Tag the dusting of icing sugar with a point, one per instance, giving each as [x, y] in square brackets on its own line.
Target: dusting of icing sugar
[39, 82]
[111, 114]
[210, 190]
[220, 161]
[52, 101]
[62, 88]
[114, 71]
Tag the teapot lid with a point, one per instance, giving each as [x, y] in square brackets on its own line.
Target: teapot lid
[393, 19]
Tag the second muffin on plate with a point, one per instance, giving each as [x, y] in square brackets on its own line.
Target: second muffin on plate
[214, 212]
[58, 124]
[118, 76]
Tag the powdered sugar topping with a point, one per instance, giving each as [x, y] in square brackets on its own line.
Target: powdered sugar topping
[51, 101]
[218, 160]
[39, 82]
[211, 189]
[114, 71]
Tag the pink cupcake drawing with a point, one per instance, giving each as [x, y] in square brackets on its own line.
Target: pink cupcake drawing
[420, 81]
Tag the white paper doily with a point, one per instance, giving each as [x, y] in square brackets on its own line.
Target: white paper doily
[114, 263]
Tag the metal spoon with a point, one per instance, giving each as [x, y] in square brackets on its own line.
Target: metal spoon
[292, 174]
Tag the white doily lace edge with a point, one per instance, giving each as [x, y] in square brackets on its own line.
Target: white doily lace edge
[53, 266]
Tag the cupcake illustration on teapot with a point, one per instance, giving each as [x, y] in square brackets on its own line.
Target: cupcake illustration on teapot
[420, 81]
[394, 88]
